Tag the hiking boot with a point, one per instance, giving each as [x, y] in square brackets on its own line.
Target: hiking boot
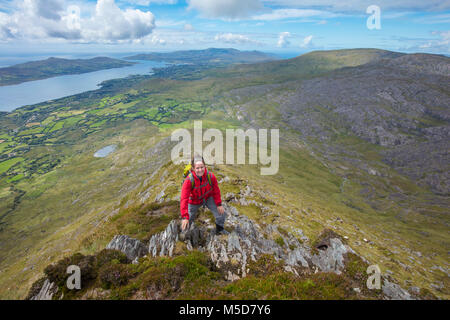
[220, 230]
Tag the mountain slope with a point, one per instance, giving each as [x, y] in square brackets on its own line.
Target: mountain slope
[400, 109]
[256, 260]
[310, 64]
[352, 140]
[304, 66]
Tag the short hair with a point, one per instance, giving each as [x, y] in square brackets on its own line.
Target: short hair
[197, 158]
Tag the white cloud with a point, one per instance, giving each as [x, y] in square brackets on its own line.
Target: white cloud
[5, 30]
[439, 44]
[53, 19]
[148, 2]
[49, 9]
[188, 27]
[112, 23]
[445, 36]
[32, 20]
[227, 9]
[174, 38]
[307, 41]
[279, 14]
[361, 5]
[442, 44]
[282, 39]
[233, 38]
[157, 40]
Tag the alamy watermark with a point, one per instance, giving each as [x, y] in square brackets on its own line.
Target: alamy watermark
[257, 146]
[374, 20]
[374, 280]
[74, 280]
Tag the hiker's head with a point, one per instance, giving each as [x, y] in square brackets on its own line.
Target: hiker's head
[198, 165]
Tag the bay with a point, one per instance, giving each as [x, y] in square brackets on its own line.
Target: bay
[32, 92]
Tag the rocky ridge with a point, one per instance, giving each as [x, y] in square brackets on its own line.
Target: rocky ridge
[247, 241]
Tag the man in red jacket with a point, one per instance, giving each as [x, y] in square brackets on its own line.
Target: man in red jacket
[201, 188]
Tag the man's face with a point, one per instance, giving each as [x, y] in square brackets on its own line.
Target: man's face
[199, 168]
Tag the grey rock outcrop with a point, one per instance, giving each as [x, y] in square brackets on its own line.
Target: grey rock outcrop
[394, 291]
[163, 243]
[133, 248]
[331, 257]
[298, 256]
[47, 291]
[247, 242]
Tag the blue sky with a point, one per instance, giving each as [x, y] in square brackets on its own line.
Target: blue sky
[280, 26]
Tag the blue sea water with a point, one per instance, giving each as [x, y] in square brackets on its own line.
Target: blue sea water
[32, 92]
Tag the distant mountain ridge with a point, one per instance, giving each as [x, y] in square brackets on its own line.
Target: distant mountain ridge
[52, 67]
[207, 56]
[309, 64]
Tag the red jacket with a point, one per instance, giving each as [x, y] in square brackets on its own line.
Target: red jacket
[199, 192]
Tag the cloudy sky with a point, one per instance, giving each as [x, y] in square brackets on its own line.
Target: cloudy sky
[281, 26]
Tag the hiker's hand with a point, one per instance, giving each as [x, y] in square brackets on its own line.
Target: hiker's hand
[220, 209]
[184, 224]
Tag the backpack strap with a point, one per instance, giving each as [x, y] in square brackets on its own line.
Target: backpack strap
[191, 177]
[209, 179]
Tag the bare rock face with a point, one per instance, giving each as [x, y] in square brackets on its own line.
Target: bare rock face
[231, 255]
[394, 291]
[246, 241]
[133, 248]
[298, 256]
[163, 243]
[47, 291]
[331, 256]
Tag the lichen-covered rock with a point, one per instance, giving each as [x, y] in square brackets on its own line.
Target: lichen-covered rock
[133, 248]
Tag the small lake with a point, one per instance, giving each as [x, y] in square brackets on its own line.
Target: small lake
[103, 152]
[28, 93]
